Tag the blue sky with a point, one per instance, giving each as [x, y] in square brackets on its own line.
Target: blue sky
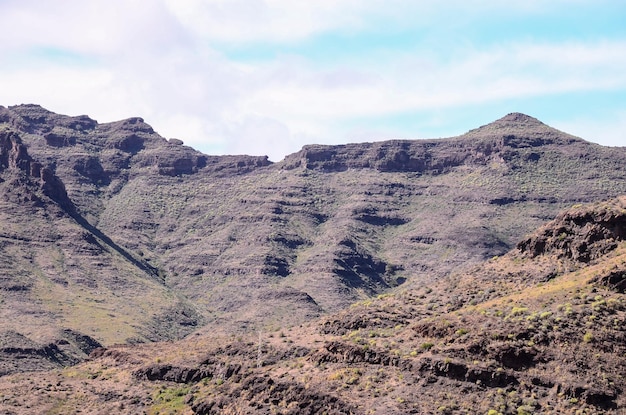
[266, 77]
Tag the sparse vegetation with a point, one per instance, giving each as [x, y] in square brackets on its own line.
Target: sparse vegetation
[427, 345]
[153, 241]
[169, 401]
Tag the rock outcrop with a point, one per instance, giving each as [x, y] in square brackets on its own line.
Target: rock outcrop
[491, 143]
[14, 156]
[582, 233]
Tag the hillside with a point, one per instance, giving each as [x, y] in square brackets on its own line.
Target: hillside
[538, 330]
[128, 237]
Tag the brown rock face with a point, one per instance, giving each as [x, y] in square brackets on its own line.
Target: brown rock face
[487, 144]
[14, 156]
[13, 153]
[581, 233]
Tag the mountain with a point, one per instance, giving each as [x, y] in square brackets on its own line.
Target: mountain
[61, 276]
[541, 329]
[114, 234]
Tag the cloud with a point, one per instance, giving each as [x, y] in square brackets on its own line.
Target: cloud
[407, 84]
[263, 20]
[171, 63]
[289, 21]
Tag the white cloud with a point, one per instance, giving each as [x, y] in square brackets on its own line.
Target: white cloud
[235, 21]
[405, 85]
[159, 60]
[288, 21]
[96, 28]
[100, 26]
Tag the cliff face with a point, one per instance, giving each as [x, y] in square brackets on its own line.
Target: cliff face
[105, 150]
[425, 157]
[581, 234]
[55, 265]
[15, 161]
[496, 142]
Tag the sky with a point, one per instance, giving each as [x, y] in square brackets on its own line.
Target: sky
[265, 77]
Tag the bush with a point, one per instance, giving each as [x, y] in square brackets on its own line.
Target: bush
[427, 346]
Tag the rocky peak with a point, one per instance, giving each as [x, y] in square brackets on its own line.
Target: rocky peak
[32, 113]
[517, 130]
[517, 118]
[100, 152]
[34, 118]
[133, 124]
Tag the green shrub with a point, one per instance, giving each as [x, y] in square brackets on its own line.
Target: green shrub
[427, 345]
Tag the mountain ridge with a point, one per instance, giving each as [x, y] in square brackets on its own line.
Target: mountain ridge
[240, 244]
[422, 156]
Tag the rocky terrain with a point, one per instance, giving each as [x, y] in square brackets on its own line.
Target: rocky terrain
[112, 234]
[537, 330]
